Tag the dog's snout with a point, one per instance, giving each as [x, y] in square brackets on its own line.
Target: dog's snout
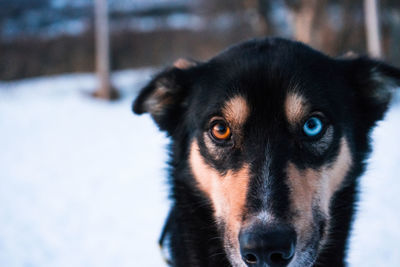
[267, 246]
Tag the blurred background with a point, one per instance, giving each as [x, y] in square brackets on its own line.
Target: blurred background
[82, 180]
[41, 37]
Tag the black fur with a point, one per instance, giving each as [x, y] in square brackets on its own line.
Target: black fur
[352, 93]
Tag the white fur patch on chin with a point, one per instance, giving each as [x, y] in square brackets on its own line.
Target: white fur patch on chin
[232, 249]
[234, 256]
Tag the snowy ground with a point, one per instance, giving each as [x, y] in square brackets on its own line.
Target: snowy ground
[82, 180]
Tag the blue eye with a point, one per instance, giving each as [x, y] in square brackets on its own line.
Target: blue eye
[312, 126]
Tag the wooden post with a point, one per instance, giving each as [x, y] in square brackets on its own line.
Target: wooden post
[105, 89]
[372, 28]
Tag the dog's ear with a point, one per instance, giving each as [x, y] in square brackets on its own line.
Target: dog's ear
[164, 96]
[374, 84]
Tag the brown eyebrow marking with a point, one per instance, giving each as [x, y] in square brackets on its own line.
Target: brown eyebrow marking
[296, 107]
[236, 110]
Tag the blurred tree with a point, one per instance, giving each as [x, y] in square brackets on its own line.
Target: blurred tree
[393, 44]
[272, 17]
[372, 27]
[264, 9]
[105, 89]
[307, 16]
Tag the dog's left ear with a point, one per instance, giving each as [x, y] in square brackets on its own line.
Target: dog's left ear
[164, 96]
[374, 82]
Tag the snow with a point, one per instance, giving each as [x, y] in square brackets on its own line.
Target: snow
[376, 235]
[82, 181]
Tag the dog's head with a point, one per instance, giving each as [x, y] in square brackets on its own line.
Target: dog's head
[271, 130]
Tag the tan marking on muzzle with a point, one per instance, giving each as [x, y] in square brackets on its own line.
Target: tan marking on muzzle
[295, 107]
[312, 187]
[334, 175]
[303, 185]
[227, 193]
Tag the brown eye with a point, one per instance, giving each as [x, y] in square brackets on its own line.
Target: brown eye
[221, 131]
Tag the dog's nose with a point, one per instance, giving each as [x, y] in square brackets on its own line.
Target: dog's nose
[267, 246]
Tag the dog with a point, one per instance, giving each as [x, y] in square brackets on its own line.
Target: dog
[268, 140]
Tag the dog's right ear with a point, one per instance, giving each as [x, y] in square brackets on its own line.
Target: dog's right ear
[164, 96]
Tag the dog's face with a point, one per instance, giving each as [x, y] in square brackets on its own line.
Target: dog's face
[270, 130]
